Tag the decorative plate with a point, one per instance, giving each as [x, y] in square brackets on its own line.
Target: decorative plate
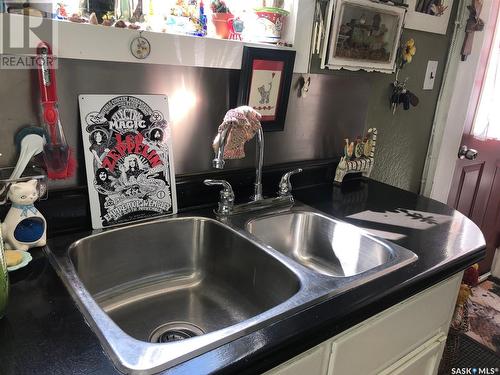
[26, 259]
[140, 47]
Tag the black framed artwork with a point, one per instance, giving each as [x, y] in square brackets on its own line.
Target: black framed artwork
[266, 77]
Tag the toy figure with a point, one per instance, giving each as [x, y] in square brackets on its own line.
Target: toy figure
[24, 226]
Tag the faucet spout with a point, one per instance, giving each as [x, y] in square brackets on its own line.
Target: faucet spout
[218, 162]
[219, 144]
[259, 161]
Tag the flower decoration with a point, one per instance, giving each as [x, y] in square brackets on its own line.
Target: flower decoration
[409, 51]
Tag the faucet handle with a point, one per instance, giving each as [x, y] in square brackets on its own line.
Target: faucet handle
[285, 187]
[226, 201]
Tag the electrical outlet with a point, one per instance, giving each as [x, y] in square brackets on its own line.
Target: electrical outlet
[430, 74]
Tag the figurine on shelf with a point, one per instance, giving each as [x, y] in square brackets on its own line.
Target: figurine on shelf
[202, 19]
[24, 226]
[61, 13]
[77, 18]
[93, 19]
[236, 27]
[352, 163]
[108, 19]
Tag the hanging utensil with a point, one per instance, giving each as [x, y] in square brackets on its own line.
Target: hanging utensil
[57, 154]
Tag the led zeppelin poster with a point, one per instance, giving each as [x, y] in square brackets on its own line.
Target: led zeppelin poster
[128, 156]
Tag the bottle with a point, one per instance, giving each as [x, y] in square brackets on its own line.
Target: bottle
[4, 279]
[124, 9]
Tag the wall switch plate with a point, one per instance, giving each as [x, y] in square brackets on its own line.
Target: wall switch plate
[430, 74]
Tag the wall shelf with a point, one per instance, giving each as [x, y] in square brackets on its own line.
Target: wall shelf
[101, 43]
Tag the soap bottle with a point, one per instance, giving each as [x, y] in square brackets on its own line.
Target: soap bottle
[4, 279]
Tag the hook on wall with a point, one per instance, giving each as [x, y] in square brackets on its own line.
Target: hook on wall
[304, 84]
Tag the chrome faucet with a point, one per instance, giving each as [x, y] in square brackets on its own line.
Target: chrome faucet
[219, 161]
[285, 186]
[227, 207]
[226, 201]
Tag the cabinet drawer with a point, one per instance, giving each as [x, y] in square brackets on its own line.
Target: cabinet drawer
[380, 341]
[422, 361]
[312, 362]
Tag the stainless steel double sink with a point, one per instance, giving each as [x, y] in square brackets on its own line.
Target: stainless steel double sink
[161, 292]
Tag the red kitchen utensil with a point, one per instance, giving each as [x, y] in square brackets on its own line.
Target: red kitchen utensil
[57, 154]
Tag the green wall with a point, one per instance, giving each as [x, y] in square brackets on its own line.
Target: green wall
[403, 138]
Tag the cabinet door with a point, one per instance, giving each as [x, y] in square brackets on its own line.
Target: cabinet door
[422, 361]
[406, 339]
[377, 343]
[312, 362]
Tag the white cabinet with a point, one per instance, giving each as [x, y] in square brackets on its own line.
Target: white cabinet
[407, 338]
[422, 361]
[314, 361]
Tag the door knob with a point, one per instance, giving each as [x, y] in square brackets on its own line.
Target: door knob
[467, 153]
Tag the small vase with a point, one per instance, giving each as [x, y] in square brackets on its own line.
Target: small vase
[220, 21]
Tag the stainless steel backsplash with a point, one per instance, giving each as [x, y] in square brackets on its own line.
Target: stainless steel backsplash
[335, 108]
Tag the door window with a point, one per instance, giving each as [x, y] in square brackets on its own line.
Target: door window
[487, 117]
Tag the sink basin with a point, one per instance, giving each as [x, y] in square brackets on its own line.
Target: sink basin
[174, 287]
[188, 270]
[325, 245]
[159, 293]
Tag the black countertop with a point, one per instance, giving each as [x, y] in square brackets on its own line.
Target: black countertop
[44, 333]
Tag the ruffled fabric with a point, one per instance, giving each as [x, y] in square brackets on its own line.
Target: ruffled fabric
[241, 123]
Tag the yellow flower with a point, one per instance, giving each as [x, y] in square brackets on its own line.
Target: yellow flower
[409, 51]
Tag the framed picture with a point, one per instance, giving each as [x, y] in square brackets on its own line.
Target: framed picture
[266, 77]
[428, 15]
[363, 35]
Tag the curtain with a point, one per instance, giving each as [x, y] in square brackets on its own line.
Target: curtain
[487, 117]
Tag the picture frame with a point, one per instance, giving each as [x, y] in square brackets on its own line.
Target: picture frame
[420, 20]
[265, 81]
[363, 35]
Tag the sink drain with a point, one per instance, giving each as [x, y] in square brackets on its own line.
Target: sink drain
[175, 331]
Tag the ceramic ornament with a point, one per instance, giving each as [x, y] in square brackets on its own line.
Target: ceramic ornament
[24, 226]
[358, 164]
[140, 47]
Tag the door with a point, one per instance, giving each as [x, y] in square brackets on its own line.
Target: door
[475, 192]
[475, 189]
